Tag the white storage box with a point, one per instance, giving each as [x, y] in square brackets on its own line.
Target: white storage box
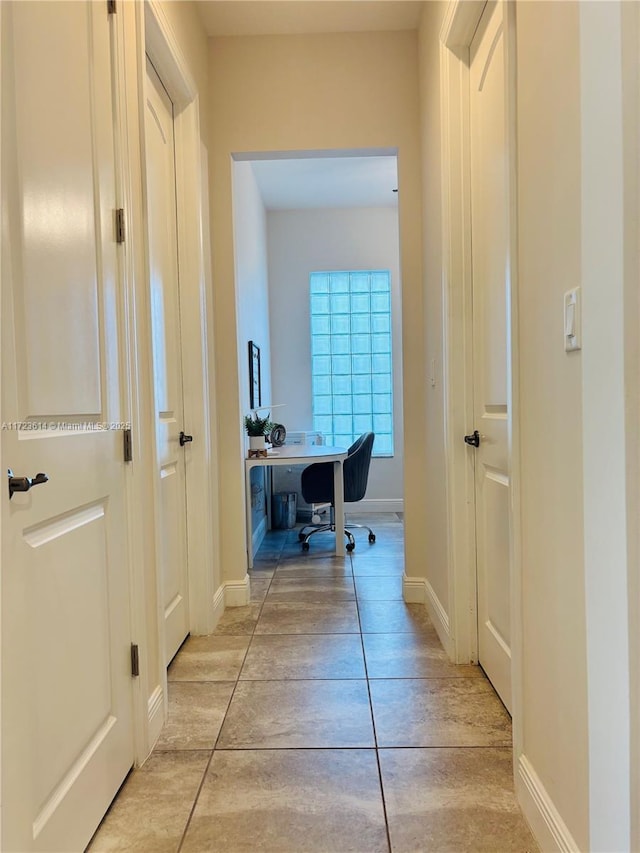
[304, 437]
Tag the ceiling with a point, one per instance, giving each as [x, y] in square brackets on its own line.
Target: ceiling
[287, 17]
[306, 183]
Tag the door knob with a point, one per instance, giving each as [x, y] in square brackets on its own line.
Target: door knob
[473, 439]
[23, 484]
[185, 439]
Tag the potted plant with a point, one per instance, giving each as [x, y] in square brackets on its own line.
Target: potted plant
[257, 429]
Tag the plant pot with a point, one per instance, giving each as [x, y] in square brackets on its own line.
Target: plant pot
[257, 446]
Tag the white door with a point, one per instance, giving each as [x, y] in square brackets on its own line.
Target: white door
[489, 229]
[67, 734]
[167, 364]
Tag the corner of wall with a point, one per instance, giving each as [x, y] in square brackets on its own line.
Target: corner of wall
[237, 593]
[416, 590]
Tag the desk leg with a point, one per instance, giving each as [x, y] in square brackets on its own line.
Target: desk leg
[268, 490]
[247, 490]
[338, 494]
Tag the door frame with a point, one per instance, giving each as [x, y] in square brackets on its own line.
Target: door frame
[161, 45]
[195, 309]
[143, 28]
[458, 28]
[1, 397]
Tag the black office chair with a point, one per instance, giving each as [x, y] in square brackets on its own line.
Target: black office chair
[317, 487]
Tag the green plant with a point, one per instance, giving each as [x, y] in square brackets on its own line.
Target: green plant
[256, 425]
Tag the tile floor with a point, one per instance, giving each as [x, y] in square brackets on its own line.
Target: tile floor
[323, 717]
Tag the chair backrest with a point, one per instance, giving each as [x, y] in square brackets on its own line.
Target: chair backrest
[356, 467]
[316, 481]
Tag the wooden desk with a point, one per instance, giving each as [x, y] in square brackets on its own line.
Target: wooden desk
[301, 454]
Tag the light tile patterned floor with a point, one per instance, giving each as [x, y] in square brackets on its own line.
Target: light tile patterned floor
[324, 717]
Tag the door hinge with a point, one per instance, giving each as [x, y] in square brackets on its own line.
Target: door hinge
[111, 7]
[135, 661]
[120, 232]
[128, 445]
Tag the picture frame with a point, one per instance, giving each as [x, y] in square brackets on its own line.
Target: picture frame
[255, 389]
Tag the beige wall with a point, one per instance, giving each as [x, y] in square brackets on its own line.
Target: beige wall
[317, 92]
[554, 724]
[609, 119]
[435, 560]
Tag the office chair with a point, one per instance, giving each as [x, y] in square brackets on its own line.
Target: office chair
[317, 487]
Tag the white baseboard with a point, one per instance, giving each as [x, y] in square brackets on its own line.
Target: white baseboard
[218, 606]
[437, 612]
[156, 714]
[549, 829]
[413, 590]
[375, 505]
[237, 593]
[420, 591]
[440, 619]
[258, 535]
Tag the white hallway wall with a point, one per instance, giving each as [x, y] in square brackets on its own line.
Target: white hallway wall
[252, 295]
[303, 241]
[252, 280]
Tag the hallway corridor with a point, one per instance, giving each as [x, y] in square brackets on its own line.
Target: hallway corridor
[324, 717]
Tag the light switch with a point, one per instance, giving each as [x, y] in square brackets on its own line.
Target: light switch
[572, 320]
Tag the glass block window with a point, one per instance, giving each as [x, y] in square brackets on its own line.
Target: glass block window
[352, 380]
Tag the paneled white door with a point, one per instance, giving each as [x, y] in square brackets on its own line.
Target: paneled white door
[167, 362]
[67, 733]
[490, 259]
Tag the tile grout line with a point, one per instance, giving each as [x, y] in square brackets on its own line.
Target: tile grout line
[237, 680]
[373, 721]
[361, 614]
[195, 800]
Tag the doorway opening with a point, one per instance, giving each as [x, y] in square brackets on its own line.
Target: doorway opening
[305, 220]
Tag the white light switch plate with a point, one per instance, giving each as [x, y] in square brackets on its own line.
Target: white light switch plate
[572, 320]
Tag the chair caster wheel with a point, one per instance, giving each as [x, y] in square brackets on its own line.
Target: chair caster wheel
[350, 546]
[372, 537]
[305, 546]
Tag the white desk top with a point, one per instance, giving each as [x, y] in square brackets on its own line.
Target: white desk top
[298, 453]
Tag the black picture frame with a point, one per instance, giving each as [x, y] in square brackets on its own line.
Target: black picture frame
[255, 389]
